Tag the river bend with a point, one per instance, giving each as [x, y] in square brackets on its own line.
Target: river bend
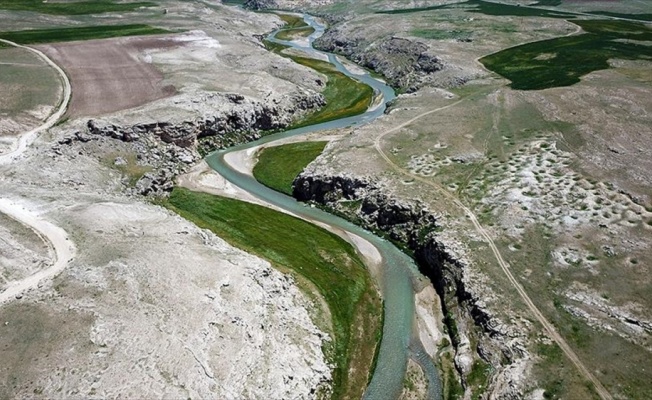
[398, 273]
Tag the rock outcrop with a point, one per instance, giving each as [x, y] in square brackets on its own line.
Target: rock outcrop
[464, 297]
[283, 4]
[242, 120]
[170, 147]
[405, 64]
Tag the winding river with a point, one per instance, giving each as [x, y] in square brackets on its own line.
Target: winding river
[398, 273]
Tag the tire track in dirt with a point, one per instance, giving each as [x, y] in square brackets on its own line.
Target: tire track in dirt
[550, 329]
[28, 138]
[54, 236]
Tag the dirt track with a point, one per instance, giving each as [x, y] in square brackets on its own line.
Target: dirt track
[550, 329]
[27, 138]
[108, 75]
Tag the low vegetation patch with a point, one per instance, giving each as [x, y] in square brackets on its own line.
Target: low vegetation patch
[345, 96]
[278, 166]
[290, 34]
[438, 34]
[73, 7]
[488, 8]
[575, 57]
[327, 261]
[127, 164]
[636, 17]
[292, 21]
[35, 36]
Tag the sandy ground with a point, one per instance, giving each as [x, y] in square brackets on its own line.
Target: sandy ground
[111, 74]
[203, 178]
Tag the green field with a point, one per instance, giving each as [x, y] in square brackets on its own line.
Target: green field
[289, 34]
[329, 263]
[345, 97]
[638, 17]
[73, 7]
[487, 8]
[278, 166]
[292, 21]
[35, 36]
[563, 61]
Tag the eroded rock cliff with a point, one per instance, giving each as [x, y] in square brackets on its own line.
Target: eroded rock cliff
[168, 148]
[465, 299]
[406, 64]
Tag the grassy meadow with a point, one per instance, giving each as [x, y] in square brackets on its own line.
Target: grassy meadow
[278, 166]
[310, 253]
[73, 7]
[563, 61]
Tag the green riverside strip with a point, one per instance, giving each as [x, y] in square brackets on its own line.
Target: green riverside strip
[35, 36]
[278, 166]
[290, 34]
[310, 253]
[345, 97]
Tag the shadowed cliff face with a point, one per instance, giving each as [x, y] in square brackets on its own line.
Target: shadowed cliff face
[167, 149]
[283, 4]
[404, 63]
[414, 228]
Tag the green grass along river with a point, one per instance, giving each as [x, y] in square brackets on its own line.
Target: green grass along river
[398, 272]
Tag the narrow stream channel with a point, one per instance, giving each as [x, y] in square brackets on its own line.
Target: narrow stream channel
[398, 272]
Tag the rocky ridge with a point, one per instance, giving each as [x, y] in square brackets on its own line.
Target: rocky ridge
[169, 148]
[406, 64]
[283, 4]
[464, 297]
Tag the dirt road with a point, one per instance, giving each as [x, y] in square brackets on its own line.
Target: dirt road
[58, 241]
[28, 138]
[57, 237]
[550, 329]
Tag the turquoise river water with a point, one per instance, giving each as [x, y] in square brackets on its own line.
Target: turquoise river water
[398, 272]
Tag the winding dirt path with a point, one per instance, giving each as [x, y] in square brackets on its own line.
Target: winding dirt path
[552, 332]
[28, 138]
[54, 236]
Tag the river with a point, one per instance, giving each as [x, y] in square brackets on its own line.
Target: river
[398, 272]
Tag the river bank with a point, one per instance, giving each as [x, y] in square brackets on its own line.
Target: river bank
[398, 272]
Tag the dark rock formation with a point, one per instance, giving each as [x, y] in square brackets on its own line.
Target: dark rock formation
[404, 63]
[260, 4]
[241, 122]
[397, 219]
[412, 226]
[170, 147]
